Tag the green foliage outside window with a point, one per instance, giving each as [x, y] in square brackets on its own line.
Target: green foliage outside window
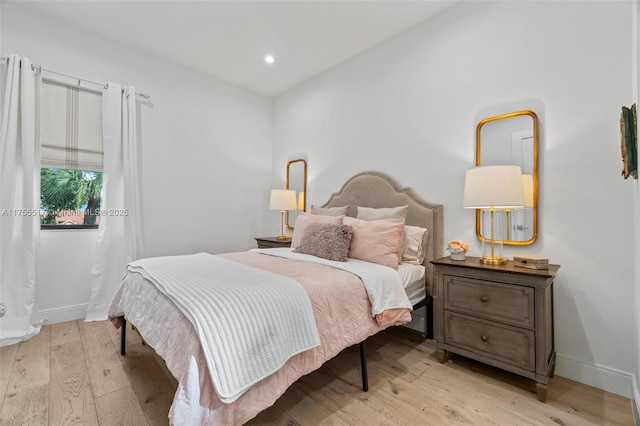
[69, 190]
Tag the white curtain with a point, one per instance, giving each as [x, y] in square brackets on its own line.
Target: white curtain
[119, 231]
[19, 198]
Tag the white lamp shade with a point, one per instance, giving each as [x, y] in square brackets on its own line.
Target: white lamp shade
[301, 201]
[493, 187]
[527, 188]
[282, 199]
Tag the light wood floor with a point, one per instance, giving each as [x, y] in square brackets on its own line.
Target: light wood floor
[72, 373]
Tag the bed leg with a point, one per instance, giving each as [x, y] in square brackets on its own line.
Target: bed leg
[123, 336]
[363, 365]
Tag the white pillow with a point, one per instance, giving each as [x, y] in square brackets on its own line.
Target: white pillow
[369, 213]
[414, 244]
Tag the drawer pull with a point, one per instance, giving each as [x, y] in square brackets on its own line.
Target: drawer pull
[484, 298]
[484, 337]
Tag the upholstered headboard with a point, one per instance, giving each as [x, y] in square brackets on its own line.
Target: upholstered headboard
[376, 189]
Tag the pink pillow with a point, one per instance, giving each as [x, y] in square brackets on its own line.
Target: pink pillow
[377, 241]
[304, 219]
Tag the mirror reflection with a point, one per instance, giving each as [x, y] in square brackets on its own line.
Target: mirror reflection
[297, 180]
[512, 139]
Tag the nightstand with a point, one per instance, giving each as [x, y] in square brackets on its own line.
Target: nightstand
[271, 242]
[501, 315]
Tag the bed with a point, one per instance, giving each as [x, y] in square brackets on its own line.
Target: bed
[343, 310]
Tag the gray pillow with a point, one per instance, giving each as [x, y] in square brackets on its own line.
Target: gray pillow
[369, 213]
[329, 242]
[330, 211]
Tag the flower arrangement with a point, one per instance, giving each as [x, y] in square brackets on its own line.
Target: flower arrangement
[457, 246]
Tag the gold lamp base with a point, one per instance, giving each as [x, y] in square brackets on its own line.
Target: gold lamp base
[492, 247]
[283, 228]
[493, 260]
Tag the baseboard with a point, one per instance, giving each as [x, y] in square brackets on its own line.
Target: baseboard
[608, 379]
[634, 402]
[66, 313]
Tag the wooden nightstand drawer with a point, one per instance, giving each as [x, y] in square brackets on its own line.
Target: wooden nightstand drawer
[503, 343]
[490, 300]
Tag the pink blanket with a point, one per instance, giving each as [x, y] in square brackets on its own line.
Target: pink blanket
[342, 313]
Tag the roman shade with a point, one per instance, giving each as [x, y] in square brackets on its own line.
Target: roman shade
[71, 128]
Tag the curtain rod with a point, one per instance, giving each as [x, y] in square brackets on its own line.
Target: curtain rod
[104, 85]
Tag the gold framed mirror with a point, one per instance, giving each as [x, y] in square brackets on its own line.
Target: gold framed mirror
[512, 139]
[297, 180]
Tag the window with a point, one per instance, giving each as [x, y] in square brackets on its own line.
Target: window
[71, 151]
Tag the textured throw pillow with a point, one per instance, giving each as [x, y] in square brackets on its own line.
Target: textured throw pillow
[304, 220]
[377, 241]
[369, 213]
[414, 244]
[330, 211]
[326, 241]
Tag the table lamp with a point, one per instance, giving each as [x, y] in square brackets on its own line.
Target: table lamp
[283, 200]
[493, 190]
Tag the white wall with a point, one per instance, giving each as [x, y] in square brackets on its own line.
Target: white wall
[206, 150]
[409, 107]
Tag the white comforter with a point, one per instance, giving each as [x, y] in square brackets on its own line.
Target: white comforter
[249, 321]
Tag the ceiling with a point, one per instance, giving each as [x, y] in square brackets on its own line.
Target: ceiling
[230, 39]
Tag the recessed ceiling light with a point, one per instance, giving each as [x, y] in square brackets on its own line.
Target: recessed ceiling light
[269, 59]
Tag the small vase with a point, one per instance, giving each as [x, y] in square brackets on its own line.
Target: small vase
[457, 255]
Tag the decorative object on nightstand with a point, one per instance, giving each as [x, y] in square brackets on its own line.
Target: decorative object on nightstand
[457, 249]
[272, 242]
[493, 189]
[501, 315]
[283, 200]
[531, 262]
